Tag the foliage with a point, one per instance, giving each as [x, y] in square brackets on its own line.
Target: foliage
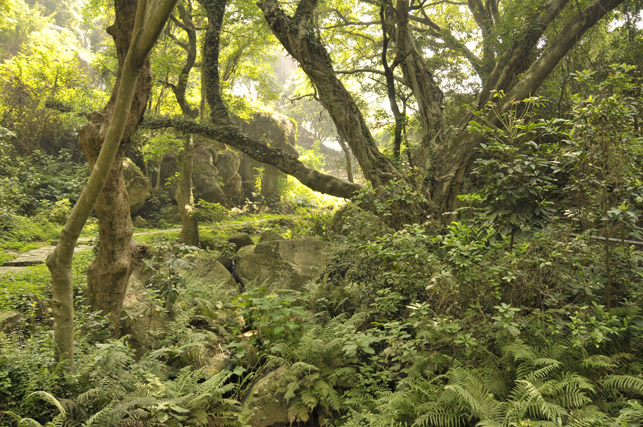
[211, 212]
[517, 169]
[42, 65]
[604, 152]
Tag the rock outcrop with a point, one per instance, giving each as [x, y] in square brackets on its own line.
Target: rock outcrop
[274, 130]
[262, 407]
[282, 264]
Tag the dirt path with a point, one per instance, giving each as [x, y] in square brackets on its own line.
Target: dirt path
[38, 256]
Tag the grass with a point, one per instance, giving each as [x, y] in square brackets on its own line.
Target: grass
[20, 287]
[16, 289]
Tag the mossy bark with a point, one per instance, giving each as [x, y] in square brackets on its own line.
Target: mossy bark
[115, 120]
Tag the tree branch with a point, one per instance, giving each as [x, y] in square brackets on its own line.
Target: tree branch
[231, 135]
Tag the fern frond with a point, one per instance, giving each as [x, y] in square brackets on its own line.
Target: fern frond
[92, 395]
[29, 422]
[519, 351]
[298, 412]
[625, 383]
[51, 399]
[632, 415]
[548, 366]
[309, 399]
[598, 361]
[440, 417]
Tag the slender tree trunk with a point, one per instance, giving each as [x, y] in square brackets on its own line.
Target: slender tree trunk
[400, 120]
[147, 27]
[108, 275]
[347, 156]
[184, 196]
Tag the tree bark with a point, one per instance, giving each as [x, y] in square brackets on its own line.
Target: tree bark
[420, 79]
[399, 118]
[109, 273]
[184, 195]
[230, 135]
[347, 156]
[226, 132]
[298, 37]
[457, 155]
[147, 26]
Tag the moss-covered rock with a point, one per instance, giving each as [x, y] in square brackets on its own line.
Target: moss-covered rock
[282, 264]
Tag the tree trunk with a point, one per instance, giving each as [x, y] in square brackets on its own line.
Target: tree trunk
[347, 156]
[456, 155]
[184, 196]
[108, 275]
[147, 27]
[226, 132]
[298, 37]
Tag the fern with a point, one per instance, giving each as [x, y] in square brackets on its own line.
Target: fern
[625, 383]
[49, 398]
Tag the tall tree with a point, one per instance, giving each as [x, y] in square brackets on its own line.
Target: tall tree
[135, 31]
[184, 196]
[518, 69]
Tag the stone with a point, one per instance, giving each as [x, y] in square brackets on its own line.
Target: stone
[216, 362]
[240, 240]
[143, 321]
[11, 321]
[282, 264]
[205, 177]
[227, 164]
[208, 270]
[262, 407]
[273, 130]
[233, 189]
[270, 235]
[138, 185]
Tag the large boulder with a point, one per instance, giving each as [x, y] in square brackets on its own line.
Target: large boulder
[273, 130]
[227, 164]
[240, 240]
[137, 184]
[262, 406]
[282, 264]
[209, 271]
[143, 322]
[11, 321]
[205, 177]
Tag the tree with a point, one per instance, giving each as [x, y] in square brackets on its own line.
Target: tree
[184, 197]
[225, 131]
[517, 67]
[135, 31]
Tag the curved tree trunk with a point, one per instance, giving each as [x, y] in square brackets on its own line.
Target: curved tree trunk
[184, 195]
[458, 153]
[108, 275]
[297, 35]
[111, 128]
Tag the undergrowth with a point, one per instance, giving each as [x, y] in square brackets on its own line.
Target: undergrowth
[415, 327]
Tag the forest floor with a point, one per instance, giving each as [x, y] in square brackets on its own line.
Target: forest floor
[39, 255]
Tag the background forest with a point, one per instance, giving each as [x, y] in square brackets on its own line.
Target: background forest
[349, 213]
